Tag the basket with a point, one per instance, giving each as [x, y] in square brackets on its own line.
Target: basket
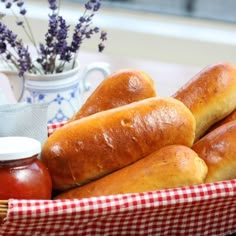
[207, 209]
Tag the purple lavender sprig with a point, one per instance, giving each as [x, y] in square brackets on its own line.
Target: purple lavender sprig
[14, 51]
[85, 30]
[56, 43]
[56, 51]
[22, 23]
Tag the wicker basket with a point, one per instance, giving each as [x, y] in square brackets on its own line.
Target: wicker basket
[3, 209]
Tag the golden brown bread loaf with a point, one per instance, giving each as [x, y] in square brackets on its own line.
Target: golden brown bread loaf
[210, 95]
[169, 167]
[218, 150]
[120, 88]
[89, 148]
[230, 117]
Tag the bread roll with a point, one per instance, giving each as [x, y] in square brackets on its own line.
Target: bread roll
[118, 89]
[169, 167]
[89, 148]
[218, 150]
[230, 117]
[210, 95]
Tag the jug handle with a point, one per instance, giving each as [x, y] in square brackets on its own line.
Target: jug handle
[102, 67]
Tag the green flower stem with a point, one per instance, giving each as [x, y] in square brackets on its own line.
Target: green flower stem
[13, 60]
[8, 64]
[28, 34]
[31, 33]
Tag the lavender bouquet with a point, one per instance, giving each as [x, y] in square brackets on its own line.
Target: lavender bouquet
[56, 52]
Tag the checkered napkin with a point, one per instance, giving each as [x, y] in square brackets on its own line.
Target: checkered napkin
[207, 209]
[54, 126]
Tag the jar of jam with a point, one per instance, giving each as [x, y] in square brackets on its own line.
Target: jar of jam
[22, 174]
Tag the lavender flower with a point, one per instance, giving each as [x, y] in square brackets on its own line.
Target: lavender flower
[24, 61]
[56, 51]
[84, 29]
[10, 45]
[52, 4]
[8, 5]
[56, 45]
[103, 38]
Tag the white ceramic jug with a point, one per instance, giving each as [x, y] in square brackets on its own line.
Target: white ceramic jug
[62, 92]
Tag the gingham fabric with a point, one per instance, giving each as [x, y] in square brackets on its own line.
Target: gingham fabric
[53, 127]
[208, 209]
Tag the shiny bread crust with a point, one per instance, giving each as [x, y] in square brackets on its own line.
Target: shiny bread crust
[229, 118]
[210, 95]
[120, 88]
[89, 148]
[218, 150]
[169, 167]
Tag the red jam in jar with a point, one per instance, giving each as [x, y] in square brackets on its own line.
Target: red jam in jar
[22, 174]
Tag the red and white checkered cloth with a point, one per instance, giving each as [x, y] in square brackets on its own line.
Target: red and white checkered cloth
[208, 209]
[53, 127]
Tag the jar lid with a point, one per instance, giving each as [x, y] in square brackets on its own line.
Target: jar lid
[15, 148]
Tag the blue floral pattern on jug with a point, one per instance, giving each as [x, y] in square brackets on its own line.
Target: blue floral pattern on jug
[62, 104]
[62, 92]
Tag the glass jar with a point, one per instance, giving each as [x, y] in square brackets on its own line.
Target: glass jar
[22, 174]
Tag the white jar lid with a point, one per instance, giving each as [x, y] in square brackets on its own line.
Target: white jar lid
[15, 148]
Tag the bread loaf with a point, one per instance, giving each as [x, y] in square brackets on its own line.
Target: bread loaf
[120, 88]
[89, 148]
[218, 150]
[230, 117]
[210, 95]
[169, 167]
